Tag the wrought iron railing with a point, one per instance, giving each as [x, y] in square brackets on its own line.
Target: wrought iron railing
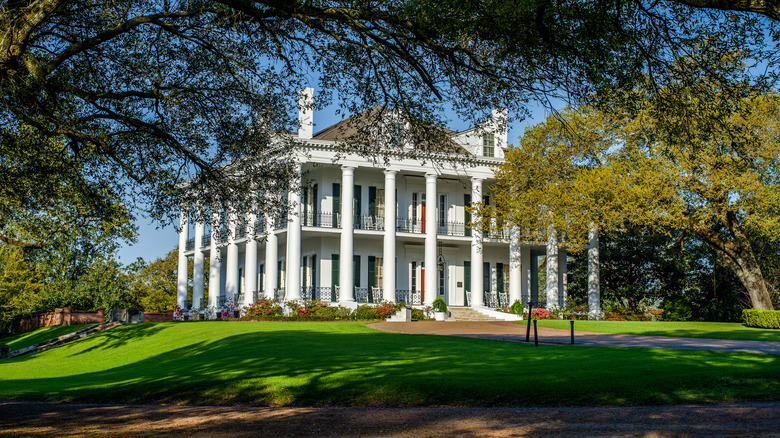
[361, 294]
[320, 219]
[409, 297]
[405, 225]
[491, 300]
[279, 293]
[369, 222]
[190, 245]
[452, 228]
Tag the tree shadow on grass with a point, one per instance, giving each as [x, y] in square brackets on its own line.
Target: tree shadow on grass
[302, 366]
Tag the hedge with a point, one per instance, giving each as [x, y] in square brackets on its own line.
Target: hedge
[761, 318]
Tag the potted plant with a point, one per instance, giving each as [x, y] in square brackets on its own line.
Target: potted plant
[439, 309]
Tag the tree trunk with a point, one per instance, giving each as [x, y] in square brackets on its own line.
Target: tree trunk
[738, 255]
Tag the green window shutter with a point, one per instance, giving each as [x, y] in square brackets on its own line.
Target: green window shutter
[305, 268]
[372, 201]
[356, 269]
[500, 278]
[371, 276]
[358, 203]
[486, 277]
[334, 275]
[336, 203]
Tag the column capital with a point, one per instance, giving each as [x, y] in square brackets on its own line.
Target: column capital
[390, 173]
[477, 179]
[347, 169]
[431, 176]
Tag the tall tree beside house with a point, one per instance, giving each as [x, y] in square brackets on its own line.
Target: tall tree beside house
[155, 284]
[700, 154]
[138, 95]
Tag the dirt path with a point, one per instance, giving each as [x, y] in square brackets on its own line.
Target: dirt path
[63, 419]
[507, 331]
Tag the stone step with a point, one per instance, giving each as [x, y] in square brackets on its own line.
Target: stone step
[468, 314]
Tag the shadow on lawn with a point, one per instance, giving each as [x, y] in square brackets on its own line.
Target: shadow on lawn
[309, 367]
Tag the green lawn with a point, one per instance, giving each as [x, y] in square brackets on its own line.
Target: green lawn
[679, 329]
[346, 363]
[33, 337]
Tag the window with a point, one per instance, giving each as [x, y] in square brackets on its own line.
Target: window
[442, 210]
[380, 202]
[489, 145]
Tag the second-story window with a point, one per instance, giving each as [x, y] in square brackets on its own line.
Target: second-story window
[489, 145]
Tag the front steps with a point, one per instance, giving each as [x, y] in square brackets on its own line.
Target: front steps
[468, 314]
[56, 342]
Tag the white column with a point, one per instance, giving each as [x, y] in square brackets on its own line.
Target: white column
[293, 283]
[431, 230]
[181, 289]
[231, 270]
[389, 245]
[562, 271]
[515, 275]
[215, 259]
[477, 287]
[346, 280]
[271, 257]
[594, 291]
[197, 270]
[551, 281]
[525, 274]
[250, 260]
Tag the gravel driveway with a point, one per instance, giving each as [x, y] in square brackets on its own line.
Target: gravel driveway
[65, 419]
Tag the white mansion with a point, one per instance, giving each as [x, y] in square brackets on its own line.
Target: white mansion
[359, 231]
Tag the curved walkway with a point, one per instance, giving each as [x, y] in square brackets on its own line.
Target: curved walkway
[507, 331]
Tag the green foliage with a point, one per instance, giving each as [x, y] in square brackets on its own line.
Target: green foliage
[517, 308]
[263, 307]
[695, 152]
[677, 308]
[421, 315]
[439, 305]
[769, 319]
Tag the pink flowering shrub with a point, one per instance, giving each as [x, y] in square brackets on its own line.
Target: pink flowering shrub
[178, 314]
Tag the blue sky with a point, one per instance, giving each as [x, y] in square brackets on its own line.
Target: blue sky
[154, 242]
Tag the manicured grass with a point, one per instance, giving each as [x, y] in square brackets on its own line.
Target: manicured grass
[33, 337]
[678, 329]
[346, 363]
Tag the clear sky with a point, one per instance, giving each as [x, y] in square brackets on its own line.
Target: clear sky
[154, 242]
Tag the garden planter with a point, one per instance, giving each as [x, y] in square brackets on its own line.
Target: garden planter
[440, 316]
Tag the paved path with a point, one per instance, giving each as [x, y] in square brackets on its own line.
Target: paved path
[507, 331]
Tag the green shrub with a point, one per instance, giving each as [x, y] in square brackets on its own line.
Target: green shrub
[420, 315]
[517, 308]
[677, 308]
[263, 307]
[769, 319]
[439, 305]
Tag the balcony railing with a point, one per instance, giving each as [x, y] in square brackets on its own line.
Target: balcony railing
[405, 225]
[321, 219]
[409, 297]
[452, 228]
[366, 295]
[368, 222]
[190, 245]
[324, 294]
